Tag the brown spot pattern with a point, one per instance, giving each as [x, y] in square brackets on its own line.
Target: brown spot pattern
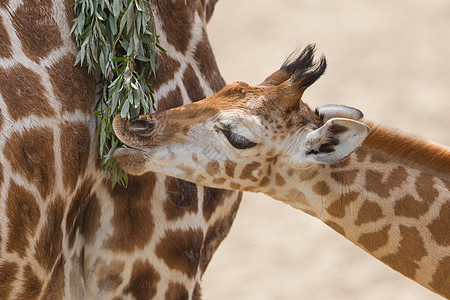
[23, 215]
[212, 168]
[230, 167]
[375, 240]
[369, 212]
[181, 198]
[168, 67]
[219, 180]
[425, 188]
[440, 226]
[337, 208]
[180, 250]
[176, 291]
[143, 281]
[49, 244]
[173, 99]
[208, 66]
[31, 285]
[75, 145]
[321, 188]
[411, 251]
[24, 93]
[55, 285]
[409, 207]
[36, 28]
[109, 276]
[197, 294]
[360, 155]
[279, 180]
[5, 49]
[192, 85]
[264, 182]
[74, 88]
[345, 177]
[383, 188]
[247, 171]
[213, 198]
[441, 278]
[8, 271]
[133, 221]
[31, 154]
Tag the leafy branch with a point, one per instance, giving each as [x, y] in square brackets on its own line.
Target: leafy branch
[116, 39]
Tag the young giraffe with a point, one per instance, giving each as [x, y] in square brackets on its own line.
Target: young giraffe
[391, 196]
[63, 233]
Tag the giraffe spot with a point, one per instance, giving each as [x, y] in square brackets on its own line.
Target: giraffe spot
[321, 188]
[31, 154]
[197, 293]
[5, 49]
[216, 233]
[345, 177]
[230, 167]
[1, 182]
[32, 286]
[212, 168]
[201, 178]
[213, 198]
[308, 175]
[23, 215]
[194, 158]
[208, 67]
[176, 291]
[333, 226]
[74, 219]
[109, 275]
[290, 172]
[337, 208]
[192, 85]
[247, 171]
[219, 180]
[8, 275]
[441, 278]
[410, 207]
[410, 251]
[181, 198]
[173, 99]
[369, 212]
[24, 93]
[143, 281]
[168, 67]
[383, 188]
[378, 159]
[74, 88]
[264, 182]
[425, 188]
[439, 227]
[235, 186]
[132, 220]
[37, 29]
[375, 240]
[279, 180]
[178, 33]
[91, 219]
[55, 285]
[49, 244]
[75, 146]
[360, 155]
[180, 250]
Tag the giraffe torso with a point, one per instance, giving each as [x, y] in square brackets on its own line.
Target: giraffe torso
[63, 232]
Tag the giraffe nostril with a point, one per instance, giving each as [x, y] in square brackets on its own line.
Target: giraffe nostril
[141, 125]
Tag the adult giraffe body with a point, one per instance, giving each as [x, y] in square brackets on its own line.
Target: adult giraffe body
[63, 233]
[391, 196]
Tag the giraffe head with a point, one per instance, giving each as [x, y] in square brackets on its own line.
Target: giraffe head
[241, 137]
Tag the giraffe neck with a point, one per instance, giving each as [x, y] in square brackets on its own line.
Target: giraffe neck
[396, 208]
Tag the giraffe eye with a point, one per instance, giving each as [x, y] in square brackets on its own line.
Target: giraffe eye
[236, 140]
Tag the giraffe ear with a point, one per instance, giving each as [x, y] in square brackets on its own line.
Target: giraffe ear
[334, 141]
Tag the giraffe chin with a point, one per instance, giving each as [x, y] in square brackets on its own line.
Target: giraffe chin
[132, 161]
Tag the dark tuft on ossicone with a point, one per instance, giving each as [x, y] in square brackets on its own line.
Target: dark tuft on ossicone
[303, 68]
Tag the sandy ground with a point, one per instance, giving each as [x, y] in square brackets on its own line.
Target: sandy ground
[388, 58]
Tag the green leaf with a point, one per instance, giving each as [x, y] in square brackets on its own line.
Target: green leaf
[125, 108]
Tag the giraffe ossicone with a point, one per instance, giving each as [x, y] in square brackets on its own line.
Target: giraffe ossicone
[386, 192]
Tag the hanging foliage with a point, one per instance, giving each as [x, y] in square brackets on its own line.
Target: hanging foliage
[116, 40]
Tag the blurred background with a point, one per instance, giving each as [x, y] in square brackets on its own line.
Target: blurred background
[388, 58]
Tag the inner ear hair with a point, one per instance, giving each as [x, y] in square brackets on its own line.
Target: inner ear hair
[331, 139]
